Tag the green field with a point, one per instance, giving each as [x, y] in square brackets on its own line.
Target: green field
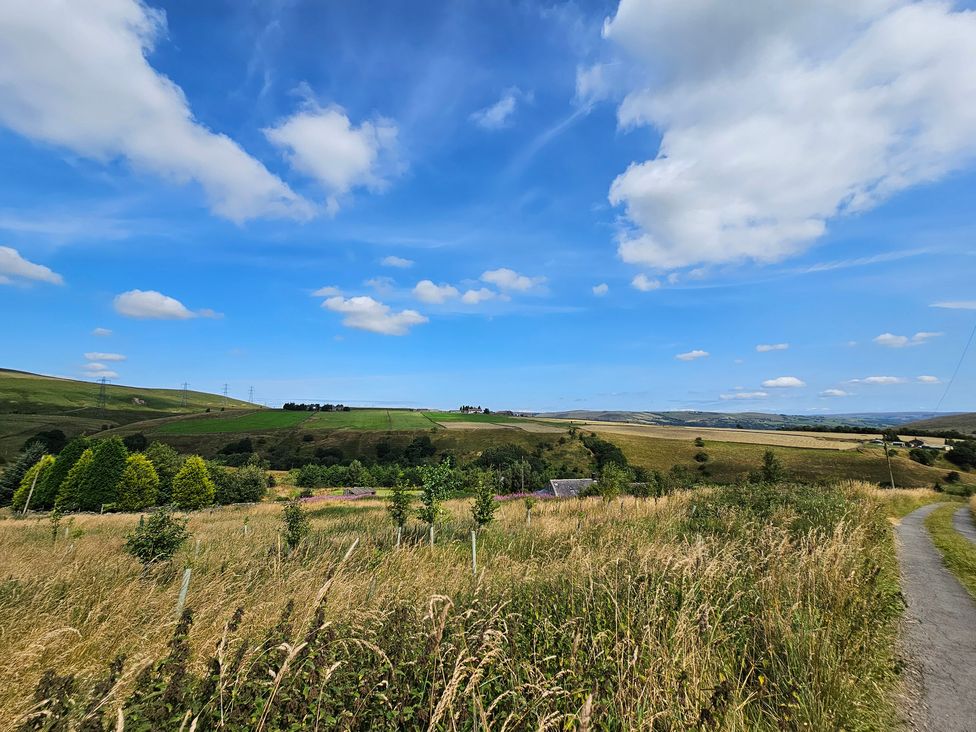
[262, 421]
[458, 417]
[371, 419]
[26, 393]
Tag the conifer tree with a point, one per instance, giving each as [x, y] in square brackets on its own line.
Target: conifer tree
[192, 486]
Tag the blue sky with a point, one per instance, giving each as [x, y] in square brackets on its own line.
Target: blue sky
[646, 205]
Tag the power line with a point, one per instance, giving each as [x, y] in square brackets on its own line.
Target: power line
[958, 366]
[250, 395]
[184, 395]
[102, 395]
[225, 395]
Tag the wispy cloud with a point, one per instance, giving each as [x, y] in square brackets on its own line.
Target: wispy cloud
[767, 347]
[692, 355]
[784, 382]
[955, 305]
[890, 340]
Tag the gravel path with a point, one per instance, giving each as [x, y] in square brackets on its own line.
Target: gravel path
[940, 629]
[962, 521]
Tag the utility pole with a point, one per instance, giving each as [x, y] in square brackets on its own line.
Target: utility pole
[884, 445]
[250, 395]
[184, 395]
[225, 395]
[102, 396]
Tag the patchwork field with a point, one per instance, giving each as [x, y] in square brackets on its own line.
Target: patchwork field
[371, 419]
[262, 421]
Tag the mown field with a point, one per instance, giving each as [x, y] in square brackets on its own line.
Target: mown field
[263, 421]
[372, 419]
[767, 609]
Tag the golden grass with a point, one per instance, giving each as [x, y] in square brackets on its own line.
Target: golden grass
[72, 604]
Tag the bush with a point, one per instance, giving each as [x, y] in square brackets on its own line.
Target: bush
[484, 506]
[14, 474]
[30, 482]
[952, 477]
[98, 480]
[136, 442]
[157, 538]
[963, 454]
[922, 456]
[699, 442]
[167, 463]
[140, 484]
[297, 524]
[192, 486]
[53, 441]
[68, 494]
[47, 490]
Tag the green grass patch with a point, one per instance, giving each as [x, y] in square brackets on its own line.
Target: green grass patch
[484, 418]
[394, 420]
[253, 422]
[958, 552]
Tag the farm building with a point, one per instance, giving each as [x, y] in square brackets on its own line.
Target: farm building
[359, 492]
[566, 487]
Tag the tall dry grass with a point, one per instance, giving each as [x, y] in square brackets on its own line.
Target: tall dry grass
[705, 610]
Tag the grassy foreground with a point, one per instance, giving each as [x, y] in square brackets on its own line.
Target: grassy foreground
[958, 552]
[759, 608]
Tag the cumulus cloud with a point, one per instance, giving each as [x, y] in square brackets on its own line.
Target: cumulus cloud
[95, 356]
[955, 305]
[99, 371]
[744, 395]
[427, 291]
[692, 355]
[926, 379]
[499, 114]
[398, 262]
[881, 380]
[325, 145]
[152, 305]
[644, 283]
[834, 393]
[327, 291]
[767, 347]
[383, 285]
[76, 75]
[473, 297]
[368, 314]
[508, 279]
[14, 267]
[777, 117]
[899, 341]
[600, 290]
[101, 332]
[784, 382]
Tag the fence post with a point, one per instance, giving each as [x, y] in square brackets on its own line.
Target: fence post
[432, 536]
[474, 552]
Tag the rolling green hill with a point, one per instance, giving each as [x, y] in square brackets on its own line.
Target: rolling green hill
[965, 423]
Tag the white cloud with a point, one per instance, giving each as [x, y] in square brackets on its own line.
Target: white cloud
[508, 279]
[880, 380]
[783, 382]
[955, 305]
[767, 347]
[926, 379]
[105, 356]
[777, 117]
[323, 144]
[744, 395]
[499, 114]
[474, 297]
[383, 285]
[99, 371]
[365, 313]
[899, 341]
[75, 75]
[327, 291]
[834, 393]
[600, 290]
[398, 262]
[15, 267]
[101, 332]
[692, 355]
[644, 283]
[427, 291]
[152, 305]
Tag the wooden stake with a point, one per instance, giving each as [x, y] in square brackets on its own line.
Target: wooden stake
[474, 552]
[183, 590]
[399, 536]
[432, 536]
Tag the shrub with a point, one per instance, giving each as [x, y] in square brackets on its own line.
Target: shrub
[47, 490]
[612, 481]
[192, 486]
[31, 480]
[157, 538]
[167, 463]
[963, 454]
[398, 504]
[98, 483]
[53, 441]
[136, 442]
[699, 442]
[484, 506]
[140, 484]
[297, 524]
[953, 477]
[923, 456]
[14, 474]
[771, 470]
[252, 483]
[69, 491]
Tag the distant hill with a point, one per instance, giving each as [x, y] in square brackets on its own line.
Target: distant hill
[25, 393]
[747, 420]
[965, 423]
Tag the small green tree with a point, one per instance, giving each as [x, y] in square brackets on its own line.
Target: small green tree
[167, 463]
[98, 485]
[484, 506]
[772, 469]
[297, 524]
[192, 486]
[398, 505]
[157, 538]
[70, 490]
[29, 483]
[47, 490]
[612, 481]
[252, 483]
[699, 442]
[529, 505]
[437, 481]
[140, 484]
[923, 456]
[13, 474]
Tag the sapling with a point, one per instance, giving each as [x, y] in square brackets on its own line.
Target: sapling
[483, 511]
[529, 504]
[398, 506]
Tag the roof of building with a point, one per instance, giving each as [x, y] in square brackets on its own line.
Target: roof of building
[569, 487]
[359, 491]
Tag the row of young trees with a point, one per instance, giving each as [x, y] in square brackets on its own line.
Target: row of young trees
[103, 475]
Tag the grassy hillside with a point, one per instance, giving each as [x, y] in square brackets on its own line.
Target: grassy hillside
[743, 420]
[24, 393]
[267, 420]
[965, 423]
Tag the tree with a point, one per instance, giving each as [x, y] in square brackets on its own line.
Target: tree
[140, 484]
[47, 490]
[157, 538]
[963, 454]
[889, 435]
[923, 456]
[28, 484]
[136, 442]
[771, 470]
[612, 481]
[167, 463]
[297, 524]
[484, 506]
[98, 485]
[398, 505]
[252, 483]
[14, 474]
[192, 486]
[53, 441]
[699, 442]
[69, 492]
[437, 481]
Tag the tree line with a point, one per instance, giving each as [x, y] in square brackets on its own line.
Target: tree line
[295, 407]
